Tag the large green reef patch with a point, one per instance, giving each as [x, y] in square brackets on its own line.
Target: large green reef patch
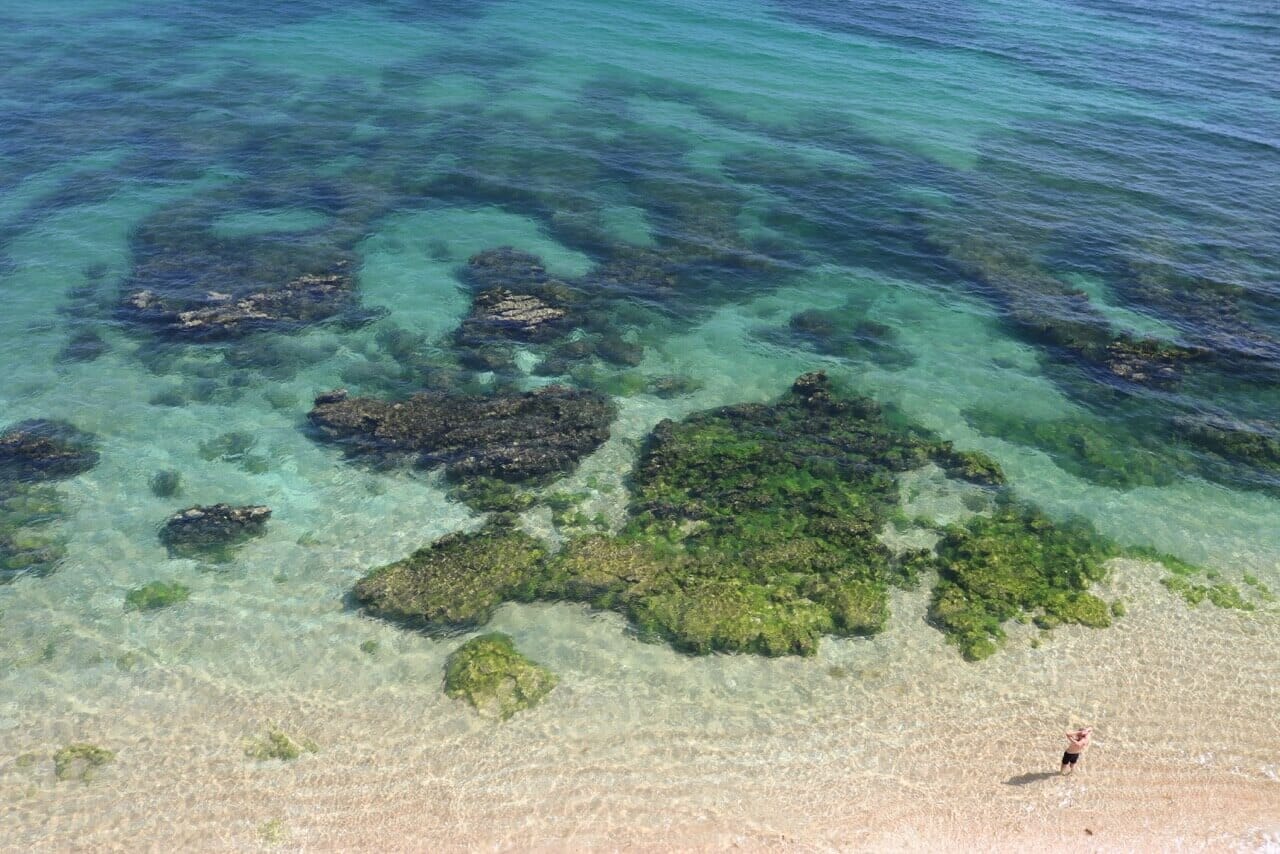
[757, 528]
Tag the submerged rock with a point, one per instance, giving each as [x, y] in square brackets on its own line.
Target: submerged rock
[504, 267]
[1016, 562]
[309, 298]
[512, 437]
[213, 531]
[29, 541]
[455, 582]
[490, 674]
[752, 528]
[155, 595]
[499, 312]
[42, 449]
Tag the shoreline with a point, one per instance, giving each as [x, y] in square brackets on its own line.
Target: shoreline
[851, 750]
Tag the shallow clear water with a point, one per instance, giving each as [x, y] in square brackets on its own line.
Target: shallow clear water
[855, 158]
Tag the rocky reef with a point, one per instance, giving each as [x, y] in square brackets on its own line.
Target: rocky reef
[29, 542]
[32, 453]
[215, 315]
[495, 678]
[1016, 562]
[512, 437]
[755, 528]
[456, 582]
[42, 449]
[212, 532]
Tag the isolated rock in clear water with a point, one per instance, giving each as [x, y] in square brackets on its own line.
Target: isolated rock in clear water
[212, 531]
[512, 437]
[43, 449]
[494, 677]
[500, 312]
[309, 298]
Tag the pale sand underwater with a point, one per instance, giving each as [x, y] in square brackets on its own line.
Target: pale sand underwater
[889, 744]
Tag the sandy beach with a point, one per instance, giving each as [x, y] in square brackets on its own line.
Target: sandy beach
[889, 745]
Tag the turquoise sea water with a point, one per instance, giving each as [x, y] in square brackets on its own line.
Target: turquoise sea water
[1000, 197]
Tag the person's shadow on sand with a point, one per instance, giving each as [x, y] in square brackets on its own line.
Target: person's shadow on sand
[1028, 779]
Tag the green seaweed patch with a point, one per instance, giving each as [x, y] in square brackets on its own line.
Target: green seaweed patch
[80, 761]
[1106, 454]
[155, 595]
[457, 581]
[486, 494]
[275, 743]
[495, 678]
[752, 528]
[1184, 582]
[991, 569]
[29, 541]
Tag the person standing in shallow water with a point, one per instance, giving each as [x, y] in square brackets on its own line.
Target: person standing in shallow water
[1078, 742]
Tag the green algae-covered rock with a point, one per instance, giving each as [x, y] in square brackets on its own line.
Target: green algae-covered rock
[80, 761]
[491, 674]
[29, 542]
[157, 594]
[275, 743]
[457, 581]
[752, 528]
[1017, 561]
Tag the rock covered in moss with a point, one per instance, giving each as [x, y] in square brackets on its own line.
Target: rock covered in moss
[1017, 561]
[495, 678]
[80, 761]
[156, 594]
[213, 531]
[42, 449]
[29, 541]
[753, 528]
[457, 581]
[513, 437]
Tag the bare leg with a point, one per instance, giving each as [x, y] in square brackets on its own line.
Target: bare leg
[1066, 769]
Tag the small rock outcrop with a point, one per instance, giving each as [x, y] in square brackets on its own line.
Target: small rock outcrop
[212, 532]
[500, 312]
[309, 298]
[512, 437]
[42, 449]
[495, 678]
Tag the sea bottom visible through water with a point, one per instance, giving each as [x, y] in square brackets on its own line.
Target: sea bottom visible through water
[1041, 231]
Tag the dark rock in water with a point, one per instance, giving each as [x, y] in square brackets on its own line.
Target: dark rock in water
[1256, 443]
[504, 267]
[512, 437]
[309, 298]
[85, 346]
[166, 483]
[42, 449]
[846, 333]
[506, 313]
[619, 351]
[671, 386]
[486, 359]
[212, 531]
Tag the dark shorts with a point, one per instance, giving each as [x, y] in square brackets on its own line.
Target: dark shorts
[1070, 758]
